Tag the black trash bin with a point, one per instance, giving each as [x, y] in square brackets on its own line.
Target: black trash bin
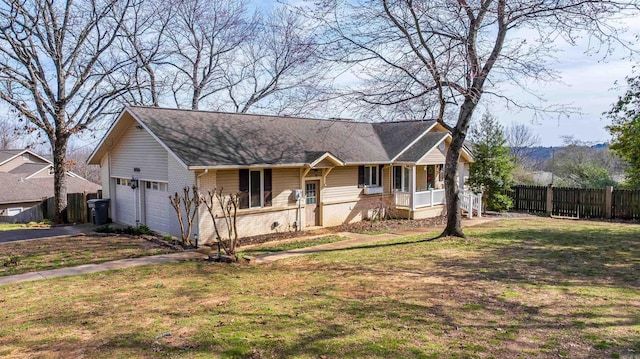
[99, 210]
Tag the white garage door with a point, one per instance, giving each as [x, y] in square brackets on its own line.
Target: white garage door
[157, 206]
[125, 202]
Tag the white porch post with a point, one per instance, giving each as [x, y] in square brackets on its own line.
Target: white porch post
[431, 197]
[479, 195]
[460, 175]
[412, 204]
[470, 206]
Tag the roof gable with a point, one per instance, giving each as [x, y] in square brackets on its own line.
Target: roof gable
[8, 155]
[420, 148]
[30, 169]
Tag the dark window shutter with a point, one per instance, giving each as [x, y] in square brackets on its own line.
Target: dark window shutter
[380, 175]
[360, 176]
[267, 187]
[243, 188]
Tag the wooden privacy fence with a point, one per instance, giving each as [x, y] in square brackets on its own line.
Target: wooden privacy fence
[532, 199]
[77, 210]
[625, 204]
[577, 202]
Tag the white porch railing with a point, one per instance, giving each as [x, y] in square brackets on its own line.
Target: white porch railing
[420, 199]
[402, 199]
[470, 202]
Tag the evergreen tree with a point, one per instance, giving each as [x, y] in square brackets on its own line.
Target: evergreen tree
[491, 171]
[625, 130]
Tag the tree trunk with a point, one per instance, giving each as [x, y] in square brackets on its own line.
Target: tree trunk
[59, 149]
[459, 133]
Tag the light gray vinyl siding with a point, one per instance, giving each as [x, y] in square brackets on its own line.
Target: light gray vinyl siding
[179, 177]
[105, 177]
[138, 149]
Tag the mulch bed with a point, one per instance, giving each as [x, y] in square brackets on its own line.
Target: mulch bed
[390, 225]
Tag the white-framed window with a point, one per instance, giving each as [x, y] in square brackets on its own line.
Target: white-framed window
[371, 176]
[401, 178]
[123, 182]
[255, 188]
[156, 186]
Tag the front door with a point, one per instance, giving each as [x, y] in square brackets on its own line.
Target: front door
[311, 201]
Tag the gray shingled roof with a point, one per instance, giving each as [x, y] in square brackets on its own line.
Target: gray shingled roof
[6, 154]
[17, 189]
[420, 148]
[28, 169]
[226, 139]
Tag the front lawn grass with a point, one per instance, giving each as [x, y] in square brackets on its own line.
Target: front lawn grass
[51, 253]
[14, 226]
[289, 245]
[516, 288]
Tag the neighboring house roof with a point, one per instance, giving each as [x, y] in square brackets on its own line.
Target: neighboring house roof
[16, 189]
[29, 169]
[201, 139]
[18, 186]
[6, 155]
[75, 184]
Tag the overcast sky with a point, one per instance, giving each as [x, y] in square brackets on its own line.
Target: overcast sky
[587, 85]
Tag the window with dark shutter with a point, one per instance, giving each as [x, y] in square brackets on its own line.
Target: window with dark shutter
[360, 176]
[243, 188]
[267, 187]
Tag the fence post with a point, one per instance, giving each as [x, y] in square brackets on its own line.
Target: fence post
[470, 205]
[608, 201]
[479, 197]
[549, 200]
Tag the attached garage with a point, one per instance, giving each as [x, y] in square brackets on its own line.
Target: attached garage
[125, 203]
[157, 206]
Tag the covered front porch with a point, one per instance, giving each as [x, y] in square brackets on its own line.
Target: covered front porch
[418, 191]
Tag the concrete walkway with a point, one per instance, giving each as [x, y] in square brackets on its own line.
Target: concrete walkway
[101, 267]
[356, 239]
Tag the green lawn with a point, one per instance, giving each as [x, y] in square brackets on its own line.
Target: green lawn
[291, 244]
[52, 253]
[516, 288]
[12, 226]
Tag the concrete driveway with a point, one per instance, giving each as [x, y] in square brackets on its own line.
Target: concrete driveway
[26, 234]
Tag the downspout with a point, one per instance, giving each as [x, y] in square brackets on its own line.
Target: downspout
[197, 235]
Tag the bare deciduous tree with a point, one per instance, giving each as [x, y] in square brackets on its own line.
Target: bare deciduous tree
[145, 39]
[186, 207]
[429, 56]
[202, 36]
[77, 157]
[276, 68]
[55, 58]
[8, 138]
[520, 139]
[228, 205]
